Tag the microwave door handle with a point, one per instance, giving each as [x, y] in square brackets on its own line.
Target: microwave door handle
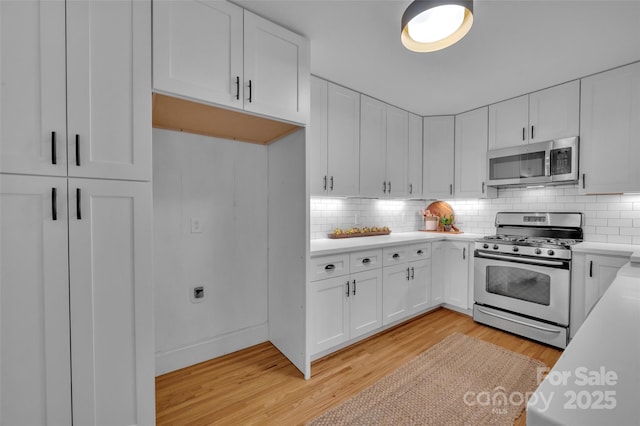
[547, 164]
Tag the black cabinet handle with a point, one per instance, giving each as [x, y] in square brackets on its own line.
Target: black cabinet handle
[464, 253]
[250, 92]
[450, 189]
[77, 150]
[591, 269]
[366, 260]
[331, 187]
[238, 88]
[389, 187]
[531, 132]
[78, 210]
[395, 255]
[584, 179]
[54, 203]
[347, 288]
[413, 275]
[408, 274]
[384, 188]
[483, 187]
[523, 133]
[420, 251]
[54, 158]
[410, 188]
[324, 185]
[330, 267]
[354, 287]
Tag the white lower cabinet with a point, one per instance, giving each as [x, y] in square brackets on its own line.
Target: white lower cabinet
[592, 274]
[345, 306]
[452, 281]
[76, 297]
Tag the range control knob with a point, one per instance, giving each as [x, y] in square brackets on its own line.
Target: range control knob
[485, 246]
[537, 251]
[550, 252]
[515, 248]
[495, 247]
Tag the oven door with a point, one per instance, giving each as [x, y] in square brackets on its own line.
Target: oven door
[537, 288]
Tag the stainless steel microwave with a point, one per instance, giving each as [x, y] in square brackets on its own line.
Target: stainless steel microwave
[539, 163]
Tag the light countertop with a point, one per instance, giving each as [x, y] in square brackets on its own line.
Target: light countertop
[325, 246]
[601, 365]
[607, 248]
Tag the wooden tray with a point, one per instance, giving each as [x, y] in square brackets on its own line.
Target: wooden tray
[365, 234]
[441, 208]
[442, 232]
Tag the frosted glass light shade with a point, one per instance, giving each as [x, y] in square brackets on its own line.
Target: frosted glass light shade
[428, 26]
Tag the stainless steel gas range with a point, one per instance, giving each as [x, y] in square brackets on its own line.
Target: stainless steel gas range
[522, 275]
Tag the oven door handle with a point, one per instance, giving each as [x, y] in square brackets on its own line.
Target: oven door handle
[520, 260]
[550, 330]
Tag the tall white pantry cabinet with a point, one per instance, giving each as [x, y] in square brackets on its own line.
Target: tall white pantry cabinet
[76, 317]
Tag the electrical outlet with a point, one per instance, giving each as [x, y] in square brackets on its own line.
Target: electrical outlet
[196, 225]
[197, 294]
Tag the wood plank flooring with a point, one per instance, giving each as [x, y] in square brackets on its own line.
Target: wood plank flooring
[259, 386]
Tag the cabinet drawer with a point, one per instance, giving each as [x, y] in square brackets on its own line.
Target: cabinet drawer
[419, 251]
[396, 255]
[365, 260]
[329, 266]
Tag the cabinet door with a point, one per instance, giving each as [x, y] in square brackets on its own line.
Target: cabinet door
[317, 158]
[414, 162]
[555, 112]
[395, 290]
[397, 149]
[600, 273]
[329, 313]
[276, 70]
[373, 147]
[366, 302]
[419, 285]
[438, 273]
[456, 281]
[111, 302]
[609, 128]
[343, 141]
[32, 90]
[437, 163]
[197, 50]
[109, 89]
[508, 122]
[471, 155]
[34, 302]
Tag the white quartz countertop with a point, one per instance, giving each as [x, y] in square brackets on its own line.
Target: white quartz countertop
[325, 246]
[596, 381]
[607, 248]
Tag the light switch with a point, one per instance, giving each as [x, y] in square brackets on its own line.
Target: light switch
[196, 225]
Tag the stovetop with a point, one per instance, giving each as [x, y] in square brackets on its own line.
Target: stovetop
[531, 240]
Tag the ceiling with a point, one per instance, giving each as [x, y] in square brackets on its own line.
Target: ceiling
[514, 47]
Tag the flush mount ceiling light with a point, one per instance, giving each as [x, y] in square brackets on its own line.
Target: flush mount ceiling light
[430, 25]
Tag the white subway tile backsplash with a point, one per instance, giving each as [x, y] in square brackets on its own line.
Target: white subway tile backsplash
[608, 218]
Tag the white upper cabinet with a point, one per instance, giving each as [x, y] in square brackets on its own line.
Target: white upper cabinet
[32, 90]
[197, 47]
[216, 52]
[610, 125]
[384, 133]
[471, 155]
[334, 146]
[103, 99]
[438, 153]
[108, 89]
[414, 161]
[551, 113]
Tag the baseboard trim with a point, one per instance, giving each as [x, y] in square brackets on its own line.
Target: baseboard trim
[186, 356]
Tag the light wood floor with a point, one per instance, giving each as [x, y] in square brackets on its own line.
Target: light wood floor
[259, 385]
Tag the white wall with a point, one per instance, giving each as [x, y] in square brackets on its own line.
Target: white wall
[608, 218]
[222, 184]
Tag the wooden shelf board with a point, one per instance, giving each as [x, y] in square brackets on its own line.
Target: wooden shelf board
[172, 113]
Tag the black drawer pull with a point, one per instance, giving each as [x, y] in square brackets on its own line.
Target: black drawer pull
[54, 204]
[78, 150]
[238, 88]
[366, 260]
[54, 158]
[330, 267]
[78, 211]
[395, 255]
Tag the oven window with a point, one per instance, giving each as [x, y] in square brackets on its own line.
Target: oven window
[519, 283]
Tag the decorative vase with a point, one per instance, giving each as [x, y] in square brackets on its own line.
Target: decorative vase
[447, 228]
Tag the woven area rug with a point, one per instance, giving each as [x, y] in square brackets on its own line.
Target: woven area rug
[459, 381]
